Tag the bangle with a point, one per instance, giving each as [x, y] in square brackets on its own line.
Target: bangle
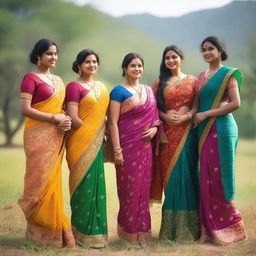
[53, 120]
[189, 115]
[118, 150]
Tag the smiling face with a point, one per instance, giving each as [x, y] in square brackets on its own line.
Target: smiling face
[134, 70]
[89, 66]
[210, 52]
[172, 60]
[49, 57]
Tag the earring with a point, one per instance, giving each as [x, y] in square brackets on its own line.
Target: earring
[79, 72]
[38, 62]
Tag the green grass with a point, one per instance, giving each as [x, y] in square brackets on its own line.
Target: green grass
[12, 227]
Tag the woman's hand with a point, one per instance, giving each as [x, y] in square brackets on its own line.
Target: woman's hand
[168, 117]
[118, 158]
[180, 118]
[65, 124]
[149, 134]
[199, 117]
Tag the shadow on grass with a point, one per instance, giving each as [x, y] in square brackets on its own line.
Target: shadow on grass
[12, 242]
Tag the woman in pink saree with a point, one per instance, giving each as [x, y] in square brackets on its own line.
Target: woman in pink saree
[133, 121]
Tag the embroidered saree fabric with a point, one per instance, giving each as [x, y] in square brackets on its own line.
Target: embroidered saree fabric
[217, 145]
[175, 169]
[42, 201]
[135, 176]
[87, 179]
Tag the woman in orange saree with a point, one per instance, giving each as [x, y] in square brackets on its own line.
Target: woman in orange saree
[175, 166]
[42, 96]
[87, 102]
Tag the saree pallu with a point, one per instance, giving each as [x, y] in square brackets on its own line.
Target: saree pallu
[217, 145]
[87, 179]
[134, 177]
[175, 170]
[42, 201]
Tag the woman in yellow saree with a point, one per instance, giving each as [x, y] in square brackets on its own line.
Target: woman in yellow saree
[87, 102]
[42, 96]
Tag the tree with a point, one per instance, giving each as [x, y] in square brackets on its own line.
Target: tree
[11, 65]
[21, 25]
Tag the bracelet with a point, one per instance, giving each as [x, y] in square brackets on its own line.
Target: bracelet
[118, 150]
[53, 120]
[189, 115]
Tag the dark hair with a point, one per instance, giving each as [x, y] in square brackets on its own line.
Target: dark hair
[218, 44]
[128, 58]
[81, 56]
[40, 47]
[165, 74]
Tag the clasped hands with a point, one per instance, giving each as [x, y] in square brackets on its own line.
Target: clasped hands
[62, 121]
[176, 117]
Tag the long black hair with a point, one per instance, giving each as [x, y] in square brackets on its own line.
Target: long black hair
[165, 74]
[218, 44]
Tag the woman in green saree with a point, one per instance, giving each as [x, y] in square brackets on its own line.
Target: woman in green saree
[87, 102]
[219, 88]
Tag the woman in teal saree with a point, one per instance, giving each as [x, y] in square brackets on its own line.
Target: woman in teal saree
[219, 88]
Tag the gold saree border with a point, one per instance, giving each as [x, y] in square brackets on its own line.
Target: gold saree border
[214, 105]
[229, 234]
[45, 237]
[94, 241]
[135, 237]
[27, 202]
[176, 156]
[185, 229]
[133, 101]
[86, 159]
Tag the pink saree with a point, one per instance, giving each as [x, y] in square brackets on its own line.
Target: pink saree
[134, 177]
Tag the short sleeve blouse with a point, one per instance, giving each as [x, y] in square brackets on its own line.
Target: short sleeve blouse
[120, 94]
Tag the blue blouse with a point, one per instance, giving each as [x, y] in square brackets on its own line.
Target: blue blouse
[120, 94]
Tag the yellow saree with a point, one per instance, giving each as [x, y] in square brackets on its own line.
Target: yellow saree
[42, 201]
[87, 180]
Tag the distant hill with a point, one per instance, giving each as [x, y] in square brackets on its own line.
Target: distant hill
[234, 23]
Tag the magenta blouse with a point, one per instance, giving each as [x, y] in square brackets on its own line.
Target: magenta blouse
[32, 87]
[75, 92]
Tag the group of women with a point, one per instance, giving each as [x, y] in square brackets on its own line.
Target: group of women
[177, 137]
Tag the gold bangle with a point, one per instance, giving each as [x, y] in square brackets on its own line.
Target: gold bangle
[53, 120]
[118, 150]
[189, 115]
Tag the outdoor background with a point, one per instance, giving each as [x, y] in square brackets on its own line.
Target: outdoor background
[76, 27]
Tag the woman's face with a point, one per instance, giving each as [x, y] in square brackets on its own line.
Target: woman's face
[134, 69]
[172, 60]
[49, 57]
[89, 66]
[210, 52]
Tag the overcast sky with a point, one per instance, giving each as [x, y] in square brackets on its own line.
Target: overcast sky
[156, 7]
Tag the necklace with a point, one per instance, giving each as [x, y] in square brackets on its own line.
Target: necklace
[137, 90]
[49, 76]
[209, 73]
[92, 89]
[178, 80]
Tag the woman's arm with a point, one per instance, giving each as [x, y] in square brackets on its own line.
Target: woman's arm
[223, 109]
[114, 113]
[72, 110]
[28, 111]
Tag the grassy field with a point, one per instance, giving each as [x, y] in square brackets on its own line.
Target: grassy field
[12, 222]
